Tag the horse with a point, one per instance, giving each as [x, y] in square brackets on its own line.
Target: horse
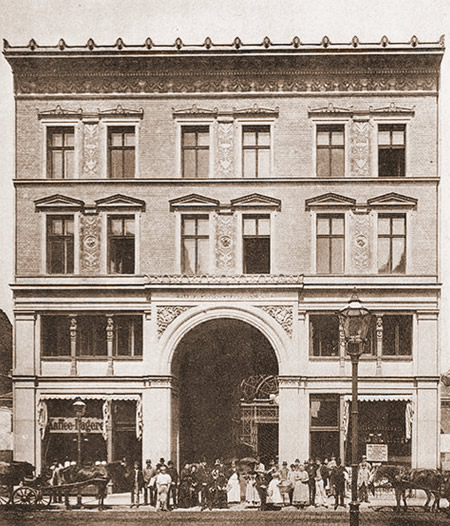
[402, 478]
[14, 473]
[99, 474]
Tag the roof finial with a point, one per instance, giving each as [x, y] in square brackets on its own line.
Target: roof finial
[355, 41]
[208, 43]
[91, 44]
[237, 42]
[384, 41]
[119, 43]
[442, 41]
[266, 42]
[61, 44]
[32, 44]
[296, 42]
[414, 41]
[148, 43]
[325, 41]
[5, 44]
[178, 43]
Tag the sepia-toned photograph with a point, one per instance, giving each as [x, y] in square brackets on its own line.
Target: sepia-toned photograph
[224, 274]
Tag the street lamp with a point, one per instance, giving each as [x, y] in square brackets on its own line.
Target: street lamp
[354, 319]
[80, 409]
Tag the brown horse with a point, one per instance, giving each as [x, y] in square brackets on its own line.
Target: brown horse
[402, 478]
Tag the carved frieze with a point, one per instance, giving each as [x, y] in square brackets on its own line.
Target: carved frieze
[360, 148]
[360, 247]
[90, 151]
[90, 244]
[282, 314]
[242, 279]
[225, 243]
[225, 150]
[167, 314]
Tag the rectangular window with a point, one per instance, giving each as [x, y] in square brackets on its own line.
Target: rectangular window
[121, 245]
[256, 151]
[256, 244]
[324, 425]
[330, 151]
[127, 336]
[60, 244]
[397, 335]
[60, 152]
[330, 249]
[391, 244]
[91, 336]
[195, 151]
[55, 335]
[121, 152]
[391, 150]
[195, 244]
[324, 334]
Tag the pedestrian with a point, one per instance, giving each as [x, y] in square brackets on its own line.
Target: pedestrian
[173, 490]
[321, 496]
[149, 473]
[338, 481]
[252, 498]
[233, 488]
[300, 478]
[137, 483]
[163, 481]
[56, 479]
[364, 471]
[311, 470]
[274, 497]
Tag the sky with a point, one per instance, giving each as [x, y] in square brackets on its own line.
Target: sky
[193, 20]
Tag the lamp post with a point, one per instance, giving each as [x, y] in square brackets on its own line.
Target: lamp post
[80, 409]
[355, 320]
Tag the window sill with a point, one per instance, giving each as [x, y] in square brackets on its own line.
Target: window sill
[90, 358]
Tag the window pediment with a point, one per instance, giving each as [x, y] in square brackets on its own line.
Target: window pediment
[192, 202]
[120, 201]
[330, 200]
[58, 202]
[256, 201]
[392, 200]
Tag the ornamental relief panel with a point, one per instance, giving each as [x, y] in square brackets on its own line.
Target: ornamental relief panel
[90, 244]
[360, 252]
[225, 244]
[360, 148]
[283, 314]
[166, 315]
[225, 151]
[91, 151]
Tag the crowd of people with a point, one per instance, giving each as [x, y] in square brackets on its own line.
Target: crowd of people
[301, 484]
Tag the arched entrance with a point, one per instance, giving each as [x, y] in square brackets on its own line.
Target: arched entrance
[213, 362]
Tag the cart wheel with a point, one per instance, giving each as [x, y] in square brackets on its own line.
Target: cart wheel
[42, 499]
[4, 498]
[24, 496]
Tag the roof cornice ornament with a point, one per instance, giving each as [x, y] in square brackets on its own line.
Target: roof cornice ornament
[210, 279]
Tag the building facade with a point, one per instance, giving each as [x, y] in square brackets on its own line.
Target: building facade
[189, 219]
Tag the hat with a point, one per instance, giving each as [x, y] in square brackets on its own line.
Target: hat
[217, 462]
[284, 463]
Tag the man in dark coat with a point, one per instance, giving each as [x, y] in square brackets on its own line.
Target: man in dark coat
[149, 473]
[311, 469]
[173, 490]
[136, 484]
[338, 481]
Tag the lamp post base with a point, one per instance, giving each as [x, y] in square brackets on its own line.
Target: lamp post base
[354, 513]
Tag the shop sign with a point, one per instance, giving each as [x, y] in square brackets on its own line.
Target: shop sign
[377, 452]
[63, 424]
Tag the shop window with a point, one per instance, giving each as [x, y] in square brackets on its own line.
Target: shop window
[324, 426]
[256, 151]
[324, 334]
[60, 244]
[121, 245]
[256, 244]
[60, 152]
[330, 244]
[127, 336]
[330, 150]
[397, 335]
[391, 244]
[195, 244]
[195, 151]
[121, 152]
[91, 336]
[55, 335]
[391, 150]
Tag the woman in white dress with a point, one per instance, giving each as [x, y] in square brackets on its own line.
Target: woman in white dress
[274, 496]
[233, 489]
[251, 493]
[301, 489]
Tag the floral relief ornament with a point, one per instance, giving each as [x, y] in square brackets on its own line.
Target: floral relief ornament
[166, 315]
[282, 314]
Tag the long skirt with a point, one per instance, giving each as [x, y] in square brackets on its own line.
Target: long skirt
[301, 493]
[251, 494]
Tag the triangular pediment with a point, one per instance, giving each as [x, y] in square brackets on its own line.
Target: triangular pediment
[330, 200]
[393, 108]
[330, 108]
[119, 201]
[392, 200]
[193, 201]
[256, 201]
[58, 201]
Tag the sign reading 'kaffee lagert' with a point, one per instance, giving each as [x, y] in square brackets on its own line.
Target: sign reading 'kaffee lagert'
[70, 425]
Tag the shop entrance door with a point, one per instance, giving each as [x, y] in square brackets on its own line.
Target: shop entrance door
[268, 441]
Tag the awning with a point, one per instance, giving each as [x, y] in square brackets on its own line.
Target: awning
[89, 396]
[381, 398]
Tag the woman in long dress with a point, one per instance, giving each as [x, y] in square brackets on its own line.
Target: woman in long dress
[274, 496]
[251, 493]
[301, 490]
[233, 489]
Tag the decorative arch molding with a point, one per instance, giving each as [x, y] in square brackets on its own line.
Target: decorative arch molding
[255, 317]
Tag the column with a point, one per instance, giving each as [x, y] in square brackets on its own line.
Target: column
[157, 415]
[293, 419]
[24, 344]
[379, 345]
[109, 344]
[25, 423]
[426, 451]
[73, 345]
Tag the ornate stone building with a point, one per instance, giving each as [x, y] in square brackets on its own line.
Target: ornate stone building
[189, 219]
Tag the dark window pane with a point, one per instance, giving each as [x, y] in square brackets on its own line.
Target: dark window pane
[55, 335]
[57, 164]
[384, 254]
[324, 411]
[121, 245]
[91, 336]
[337, 162]
[257, 256]
[202, 163]
[69, 164]
[188, 263]
[397, 335]
[116, 164]
[189, 168]
[122, 153]
[337, 255]
[398, 255]
[323, 163]
[324, 330]
[323, 255]
[189, 138]
[129, 168]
